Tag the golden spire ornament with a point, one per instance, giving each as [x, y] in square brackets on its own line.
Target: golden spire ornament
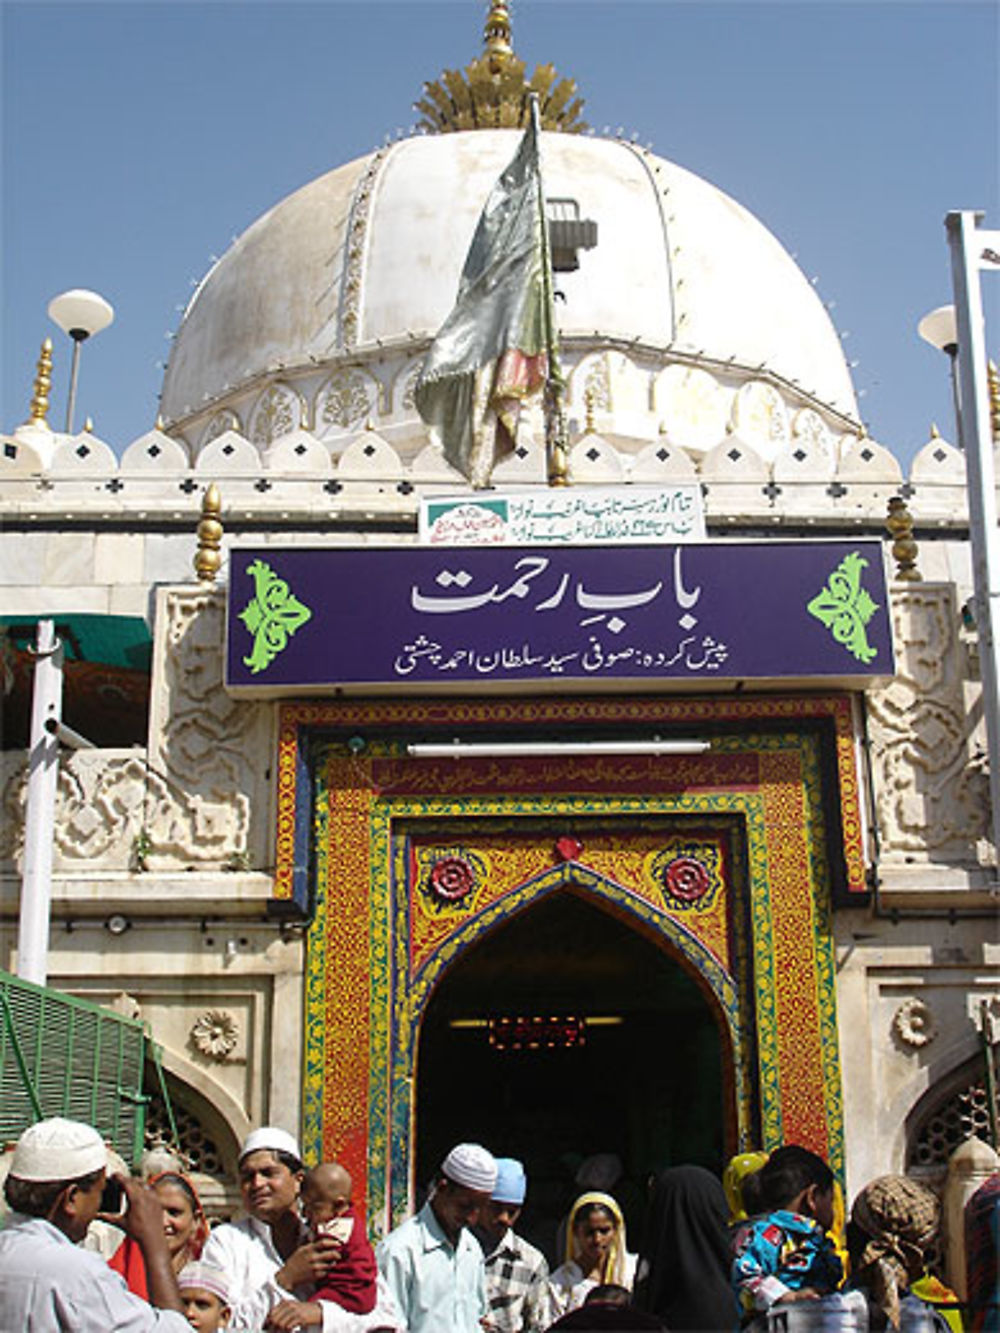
[993, 380]
[904, 549]
[491, 93]
[497, 35]
[39, 409]
[208, 557]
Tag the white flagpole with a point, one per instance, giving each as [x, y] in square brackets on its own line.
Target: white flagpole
[555, 419]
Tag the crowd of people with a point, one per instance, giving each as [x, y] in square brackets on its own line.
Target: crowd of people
[767, 1248]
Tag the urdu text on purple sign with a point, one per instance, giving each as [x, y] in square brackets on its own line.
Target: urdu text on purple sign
[310, 619]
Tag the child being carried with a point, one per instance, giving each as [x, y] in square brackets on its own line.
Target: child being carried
[350, 1281]
[785, 1255]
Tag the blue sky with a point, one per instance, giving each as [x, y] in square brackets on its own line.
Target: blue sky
[139, 138]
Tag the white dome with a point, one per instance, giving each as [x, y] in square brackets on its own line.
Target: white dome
[369, 255]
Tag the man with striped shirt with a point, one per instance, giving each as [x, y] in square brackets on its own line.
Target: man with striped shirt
[517, 1276]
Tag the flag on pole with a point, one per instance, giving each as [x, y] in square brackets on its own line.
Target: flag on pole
[496, 348]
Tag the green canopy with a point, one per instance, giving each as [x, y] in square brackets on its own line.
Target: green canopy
[117, 641]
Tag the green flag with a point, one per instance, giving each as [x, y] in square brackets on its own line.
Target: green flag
[493, 350]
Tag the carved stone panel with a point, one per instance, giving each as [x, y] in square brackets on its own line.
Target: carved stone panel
[931, 789]
[214, 750]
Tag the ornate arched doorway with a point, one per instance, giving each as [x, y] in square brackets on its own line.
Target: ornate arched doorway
[718, 867]
[572, 1033]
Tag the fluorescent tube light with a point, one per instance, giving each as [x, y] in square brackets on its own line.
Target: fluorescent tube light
[549, 749]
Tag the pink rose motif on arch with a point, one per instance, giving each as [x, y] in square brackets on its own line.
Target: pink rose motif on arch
[569, 848]
[451, 879]
[686, 879]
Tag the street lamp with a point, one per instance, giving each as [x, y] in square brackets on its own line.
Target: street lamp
[80, 314]
[939, 329]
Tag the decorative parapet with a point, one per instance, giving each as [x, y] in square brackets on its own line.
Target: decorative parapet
[760, 448]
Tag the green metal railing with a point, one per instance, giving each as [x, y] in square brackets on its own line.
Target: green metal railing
[64, 1056]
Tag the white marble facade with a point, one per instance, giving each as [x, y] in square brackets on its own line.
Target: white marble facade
[310, 432]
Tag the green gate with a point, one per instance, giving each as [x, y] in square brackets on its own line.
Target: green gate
[64, 1056]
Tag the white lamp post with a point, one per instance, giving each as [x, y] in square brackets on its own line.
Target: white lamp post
[40, 807]
[81, 314]
[959, 330]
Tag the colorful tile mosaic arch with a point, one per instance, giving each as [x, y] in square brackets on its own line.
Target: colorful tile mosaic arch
[723, 860]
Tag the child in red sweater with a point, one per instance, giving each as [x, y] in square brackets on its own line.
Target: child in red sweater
[350, 1281]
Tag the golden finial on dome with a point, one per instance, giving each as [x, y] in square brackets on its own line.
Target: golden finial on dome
[993, 379]
[88, 426]
[904, 549]
[935, 433]
[158, 425]
[497, 34]
[491, 93]
[43, 383]
[208, 557]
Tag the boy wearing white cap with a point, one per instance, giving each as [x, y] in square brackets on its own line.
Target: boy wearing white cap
[205, 1293]
[432, 1264]
[517, 1276]
[47, 1282]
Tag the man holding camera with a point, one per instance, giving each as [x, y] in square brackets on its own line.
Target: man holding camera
[47, 1282]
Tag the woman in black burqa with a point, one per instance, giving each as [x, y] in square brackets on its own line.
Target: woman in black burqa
[683, 1272]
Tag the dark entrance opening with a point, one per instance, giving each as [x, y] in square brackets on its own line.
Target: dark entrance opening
[646, 1084]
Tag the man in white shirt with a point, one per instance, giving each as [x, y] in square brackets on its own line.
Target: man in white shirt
[269, 1253]
[432, 1263]
[47, 1282]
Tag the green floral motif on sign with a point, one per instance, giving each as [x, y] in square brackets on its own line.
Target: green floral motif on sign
[845, 608]
[272, 617]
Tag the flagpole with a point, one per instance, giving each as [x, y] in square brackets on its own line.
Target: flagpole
[555, 419]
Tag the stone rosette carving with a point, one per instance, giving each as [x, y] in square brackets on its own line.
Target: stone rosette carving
[914, 1024]
[214, 1034]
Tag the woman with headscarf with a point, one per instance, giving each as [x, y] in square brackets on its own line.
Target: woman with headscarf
[741, 1168]
[184, 1224]
[595, 1252]
[893, 1222]
[683, 1273]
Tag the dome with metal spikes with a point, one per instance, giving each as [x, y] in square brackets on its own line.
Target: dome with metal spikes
[491, 93]
[323, 308]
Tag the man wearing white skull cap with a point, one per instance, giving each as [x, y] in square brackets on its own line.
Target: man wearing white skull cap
[269, 1254]
[432, 1263]
[47, 1282]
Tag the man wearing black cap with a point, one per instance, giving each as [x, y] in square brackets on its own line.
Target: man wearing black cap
[431, 1263]
[47, 1282]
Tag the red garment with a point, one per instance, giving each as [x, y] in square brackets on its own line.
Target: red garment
[128, 1261]
[350, 1283]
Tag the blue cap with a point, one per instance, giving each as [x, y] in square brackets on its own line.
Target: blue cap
[511, 1183]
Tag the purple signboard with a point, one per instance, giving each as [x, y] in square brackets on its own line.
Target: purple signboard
[306, 619]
